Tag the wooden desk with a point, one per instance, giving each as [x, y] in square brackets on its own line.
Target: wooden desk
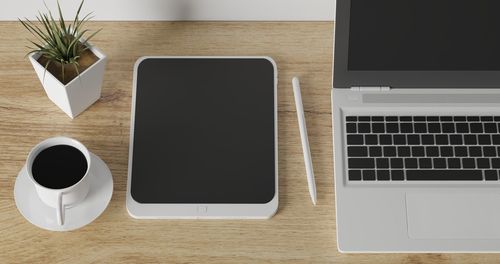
[299, 233]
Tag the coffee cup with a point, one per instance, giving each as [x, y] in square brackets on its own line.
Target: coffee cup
[59, 168]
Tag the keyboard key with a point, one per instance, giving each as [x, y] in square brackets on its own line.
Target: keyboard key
[397, 175]
[475, 152]
[357, 152]
[491, 175]
[456, 140]
[351, 128]
[486, 118]
[483, 163]
[420, 128]
[351, 118]
[382, 163]
[392, 127]
[484, 139]
[364, 128]
[404, 152]
[496, 118]
[462, 128]
[354, 175]
[361, 163]
[468, 163]
[446, 151]
[397, 163]
[405, 118]
[454, 163]
[413, 139]
[389, 151]
[473, 118]
[459, 118]
[495, 163]
[406, 127]
[419, 118]
[470, 140]
[427, 140]
[368, 175]
[476, 127]
[378, 128]
[391, 118]
[371, 140]
[489, 152]
[496, 139]
[490, 128]
[444, 175]
[432, 151]
[433, 118]
[446, 118]
[461, 152]
[399, 140]
[383, 175]
[418, 151]
[385, 140]
[375, 151]
[364, 118]
[442, 140]
[434, 127]
[411, 163]
[425, 163]
[354, 140]
[377, 119]
[439, 163]
[448, 127]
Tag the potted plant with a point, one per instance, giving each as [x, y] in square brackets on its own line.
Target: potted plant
[70, 69]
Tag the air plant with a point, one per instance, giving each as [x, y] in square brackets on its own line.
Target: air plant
[57, 41]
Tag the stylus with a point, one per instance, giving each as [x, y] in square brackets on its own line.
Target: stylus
[304, 138]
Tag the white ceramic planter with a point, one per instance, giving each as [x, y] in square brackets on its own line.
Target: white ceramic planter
[81, 92]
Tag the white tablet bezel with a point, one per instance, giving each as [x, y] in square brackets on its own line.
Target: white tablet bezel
[201, 211]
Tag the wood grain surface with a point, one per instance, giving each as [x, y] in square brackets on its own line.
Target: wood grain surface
[299, 233]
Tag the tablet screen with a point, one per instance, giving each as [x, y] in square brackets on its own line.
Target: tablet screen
[204, 131]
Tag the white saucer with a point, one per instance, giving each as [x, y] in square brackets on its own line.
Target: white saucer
[83, 213]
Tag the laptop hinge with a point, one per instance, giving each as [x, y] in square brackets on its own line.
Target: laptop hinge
[371, 88]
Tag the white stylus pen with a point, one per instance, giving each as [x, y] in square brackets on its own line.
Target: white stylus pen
[304, 138]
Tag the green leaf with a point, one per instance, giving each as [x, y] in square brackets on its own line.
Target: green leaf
[59, 41]
[78, 12]
[61, 18]
[80, 23]
[92, 35]
[45, 71]
[34, 30]
[62, 70]
[43, 19]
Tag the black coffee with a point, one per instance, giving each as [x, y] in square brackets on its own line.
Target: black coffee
[59, 166]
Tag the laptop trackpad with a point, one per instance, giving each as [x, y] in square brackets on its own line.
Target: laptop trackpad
[453, 216]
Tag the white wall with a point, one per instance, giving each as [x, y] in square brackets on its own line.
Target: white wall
[300, 10]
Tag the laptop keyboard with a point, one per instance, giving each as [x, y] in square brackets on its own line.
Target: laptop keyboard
[423, 148]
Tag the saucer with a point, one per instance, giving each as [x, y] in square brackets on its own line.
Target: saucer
[38, 213]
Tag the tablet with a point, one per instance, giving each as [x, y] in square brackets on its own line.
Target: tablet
[203, 138]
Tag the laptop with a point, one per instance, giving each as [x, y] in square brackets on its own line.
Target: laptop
[416, 118]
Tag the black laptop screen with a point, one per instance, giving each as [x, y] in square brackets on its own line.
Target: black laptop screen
[424, 35]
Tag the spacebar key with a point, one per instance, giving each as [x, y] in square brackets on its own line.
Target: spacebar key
[444, 175]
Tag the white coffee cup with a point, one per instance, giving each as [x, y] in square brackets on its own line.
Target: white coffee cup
[60, 198]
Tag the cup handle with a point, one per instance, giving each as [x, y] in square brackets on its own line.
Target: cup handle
[60, 209]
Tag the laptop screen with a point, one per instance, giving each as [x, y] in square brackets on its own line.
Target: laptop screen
[424, 35]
